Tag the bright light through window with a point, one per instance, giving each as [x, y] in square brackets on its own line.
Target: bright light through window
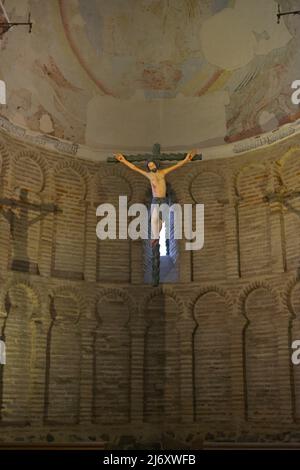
[162, 241]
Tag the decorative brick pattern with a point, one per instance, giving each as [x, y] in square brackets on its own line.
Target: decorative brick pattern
[94, 353]
[212, 354]
[63, 361]
[161, 373]
[111, 352]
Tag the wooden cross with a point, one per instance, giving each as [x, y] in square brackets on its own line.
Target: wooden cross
[161, 157]
[155, 155]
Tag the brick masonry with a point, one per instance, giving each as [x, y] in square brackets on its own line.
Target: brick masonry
[94, 353]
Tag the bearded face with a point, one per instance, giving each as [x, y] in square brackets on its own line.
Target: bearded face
[152, 167]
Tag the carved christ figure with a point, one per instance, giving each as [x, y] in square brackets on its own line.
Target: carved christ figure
[158, 186]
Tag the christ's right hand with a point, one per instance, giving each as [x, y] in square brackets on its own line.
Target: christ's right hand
[120, 157]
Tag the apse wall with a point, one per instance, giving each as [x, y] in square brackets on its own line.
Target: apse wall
[93, 353]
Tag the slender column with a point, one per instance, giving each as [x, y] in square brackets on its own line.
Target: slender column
[237, 367]
[87, 372]
[232, 240]
[38, 372]
[137, 369]
[186, 327]
[90, 244]
[278, 258]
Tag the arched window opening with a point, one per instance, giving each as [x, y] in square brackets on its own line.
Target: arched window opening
[163, 242]
[168, 247]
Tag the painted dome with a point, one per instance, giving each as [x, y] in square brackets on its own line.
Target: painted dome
[128, 73]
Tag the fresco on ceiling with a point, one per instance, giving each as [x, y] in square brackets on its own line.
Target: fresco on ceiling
[225, 63]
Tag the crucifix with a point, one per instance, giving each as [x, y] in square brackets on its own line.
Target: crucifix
[156, 177]
[16, 212]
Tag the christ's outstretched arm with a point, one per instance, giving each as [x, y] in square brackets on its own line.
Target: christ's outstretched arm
[187, 159]
[123, 160]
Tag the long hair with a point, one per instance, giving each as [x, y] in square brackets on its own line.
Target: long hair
[156, 163]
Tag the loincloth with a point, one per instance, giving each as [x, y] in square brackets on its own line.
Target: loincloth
[158, 201]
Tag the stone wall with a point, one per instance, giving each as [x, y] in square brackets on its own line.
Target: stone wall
[94, 353]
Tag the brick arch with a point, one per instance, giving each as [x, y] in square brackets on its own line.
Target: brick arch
[28, 287]
[73, 293]
[73, 169]
[64, 348]
[38, 160]
[18, 331]
[211, 340]
[286, 297]
[263, 352]
[249, 168]
[112, 352]
[162, 357]
[115, 172]
[163, 291]
[77, 169]
[115, 292]
[76, 166]
[217, 174]
[212, 288]
[193, 174]
[249, 289]
[111, 295]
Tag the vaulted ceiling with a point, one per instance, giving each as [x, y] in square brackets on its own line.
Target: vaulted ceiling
[127, 73]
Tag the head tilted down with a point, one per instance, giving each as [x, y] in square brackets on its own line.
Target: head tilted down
[152, 166]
